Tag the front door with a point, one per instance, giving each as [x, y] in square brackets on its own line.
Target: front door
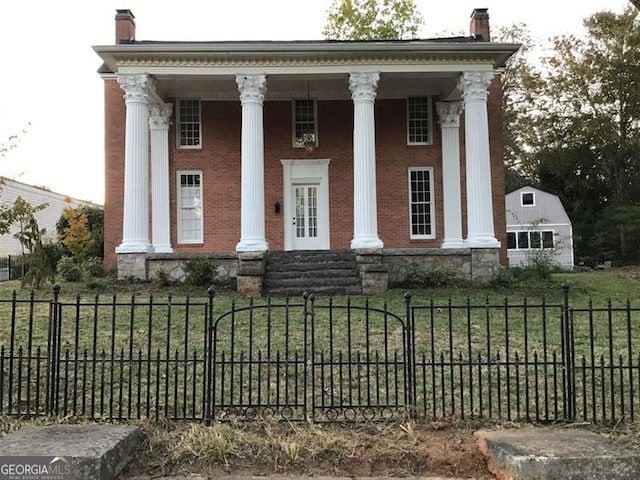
[306, 204]
[305, 220]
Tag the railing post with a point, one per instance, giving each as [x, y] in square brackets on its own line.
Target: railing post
[410, 357]
[52, 349]
[207, 360]
[568, 360]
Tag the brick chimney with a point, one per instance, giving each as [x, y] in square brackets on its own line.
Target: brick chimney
[125, 26]
[479, 26]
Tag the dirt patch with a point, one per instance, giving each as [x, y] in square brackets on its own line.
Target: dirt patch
[399, 450]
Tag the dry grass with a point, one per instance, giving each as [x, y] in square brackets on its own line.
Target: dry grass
[264, 448]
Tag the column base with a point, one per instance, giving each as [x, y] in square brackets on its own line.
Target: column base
[454, 243]
[482, 241]
[252, 245]
[162, 249]
[366, 242]
[134, 247]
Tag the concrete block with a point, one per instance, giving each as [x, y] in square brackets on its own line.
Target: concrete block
[98, 452]
[556, 454]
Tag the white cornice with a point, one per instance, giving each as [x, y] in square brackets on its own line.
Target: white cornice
[297, 55]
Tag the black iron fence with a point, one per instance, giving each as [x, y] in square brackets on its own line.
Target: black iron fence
[318, 359]
[12, 267]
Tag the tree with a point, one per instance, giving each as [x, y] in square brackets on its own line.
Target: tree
[81, 230]
[372, 20]
[591, 122]
[522, 86]
[40, 265]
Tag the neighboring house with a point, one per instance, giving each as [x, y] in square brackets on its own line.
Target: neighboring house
[235, 149]
[47, 217]
[536, 223]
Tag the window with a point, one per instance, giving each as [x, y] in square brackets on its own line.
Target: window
[189, 126]
[304, 122]
[530, 240]
[421, 203]
[419, 120]
[189, 197]
[527, 199]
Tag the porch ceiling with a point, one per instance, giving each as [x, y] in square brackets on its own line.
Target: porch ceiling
[322, 87]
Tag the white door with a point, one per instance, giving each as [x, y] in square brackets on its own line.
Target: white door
[306, 204]
[305, 220]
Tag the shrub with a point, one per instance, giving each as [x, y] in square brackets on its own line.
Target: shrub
[93, 267]
[69, 270]
[200, 272]
[162, 277]
[438, 276]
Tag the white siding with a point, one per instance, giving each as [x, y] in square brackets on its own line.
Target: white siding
[47, 218]
[547, 213]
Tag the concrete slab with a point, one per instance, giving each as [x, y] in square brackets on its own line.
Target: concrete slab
[556, 454]
[98, 452]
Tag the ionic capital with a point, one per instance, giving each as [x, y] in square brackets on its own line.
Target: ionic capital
[252, 88]
[449, 114]
[137, 87]
[159, 116]
[363, 85]
[473, 85]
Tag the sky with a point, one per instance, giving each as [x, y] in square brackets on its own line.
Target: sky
[52, 97]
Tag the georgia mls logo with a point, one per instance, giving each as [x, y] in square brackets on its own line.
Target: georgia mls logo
[35, 468]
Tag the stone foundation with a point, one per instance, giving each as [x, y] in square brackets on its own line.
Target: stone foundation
[379, 269]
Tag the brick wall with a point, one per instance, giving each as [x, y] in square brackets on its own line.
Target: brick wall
[219, 161]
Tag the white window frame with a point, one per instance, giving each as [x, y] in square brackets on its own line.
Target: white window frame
[179, 103]
[429, 120]
[529, 232]
[179, 208]
[432, 235]
[533, 197]
[294, 121]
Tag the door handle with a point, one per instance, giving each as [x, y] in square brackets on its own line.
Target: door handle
[293, 221]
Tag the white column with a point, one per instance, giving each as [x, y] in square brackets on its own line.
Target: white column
[365, 211]
[135, 225]
[252, 232]
[449, 115]
[160, 225]
[473, 86]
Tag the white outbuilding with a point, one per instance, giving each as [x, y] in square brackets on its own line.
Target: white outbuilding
[537, 224]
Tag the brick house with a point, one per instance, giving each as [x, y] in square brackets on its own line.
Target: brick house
[254, 153]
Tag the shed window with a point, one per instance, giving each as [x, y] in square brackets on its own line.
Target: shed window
[527, 199]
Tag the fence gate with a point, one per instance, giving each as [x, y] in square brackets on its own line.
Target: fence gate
[309, 360]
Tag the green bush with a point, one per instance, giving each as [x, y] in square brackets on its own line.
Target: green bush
[93, 267]
[69, 270]
[200, 272]
[162, 277]
[438, 276]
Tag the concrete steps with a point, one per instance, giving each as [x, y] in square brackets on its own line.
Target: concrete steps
[322, 272]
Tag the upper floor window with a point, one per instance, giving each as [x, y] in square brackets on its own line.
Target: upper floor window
[189, 127]
[527, 199]
[421, 213]
[305, 133]
[419, 120]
